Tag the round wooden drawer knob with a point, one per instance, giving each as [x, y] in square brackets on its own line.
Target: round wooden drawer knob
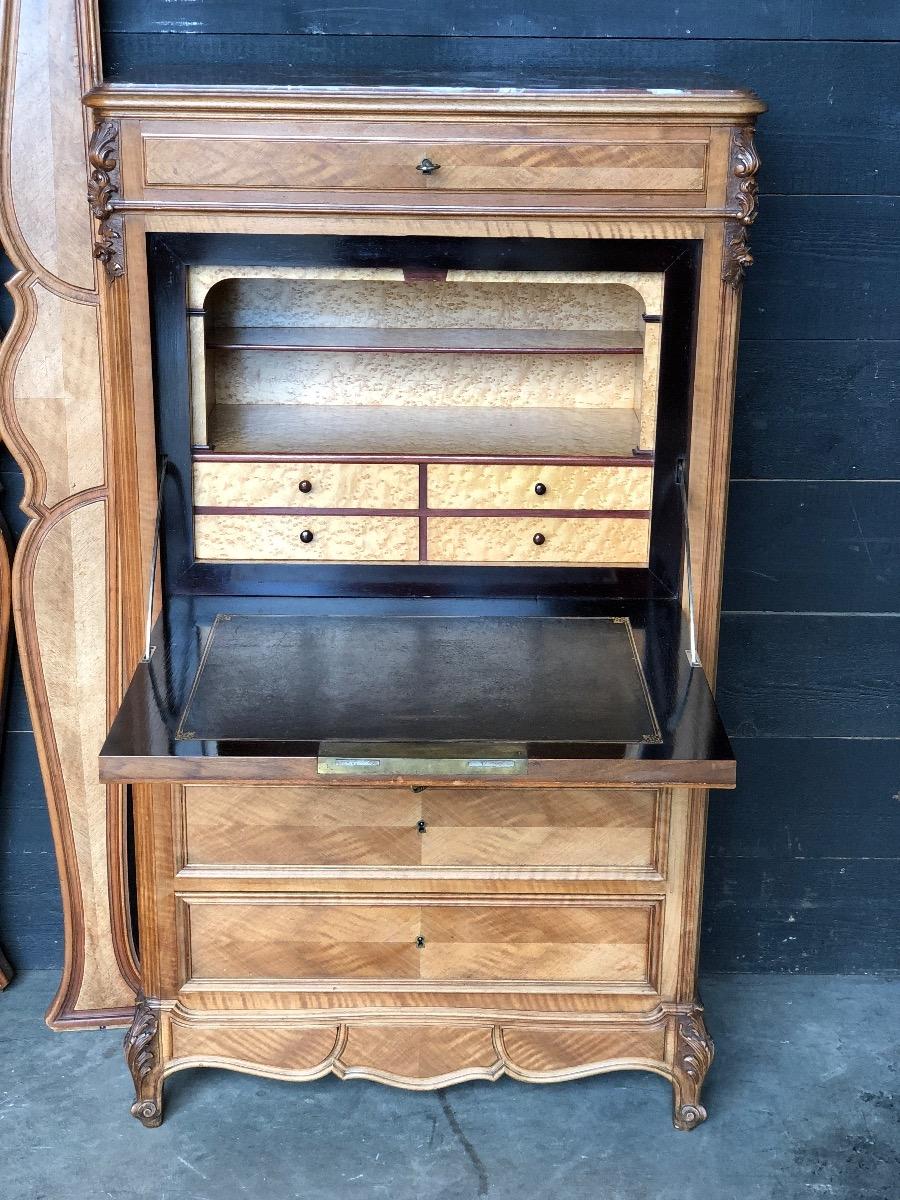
[539, 539]
[540, 489]
[305, 486]
[306, 536]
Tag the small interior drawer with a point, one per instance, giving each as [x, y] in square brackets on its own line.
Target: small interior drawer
[264, 938]
[491, 829]
[463, 485]
[613, 541]
[305, 485]
[242, 537]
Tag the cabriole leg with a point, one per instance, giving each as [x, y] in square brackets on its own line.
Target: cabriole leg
[142, 1055]
[694, 1051]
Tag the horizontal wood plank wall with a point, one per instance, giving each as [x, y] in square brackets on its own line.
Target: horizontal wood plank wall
[802, 856]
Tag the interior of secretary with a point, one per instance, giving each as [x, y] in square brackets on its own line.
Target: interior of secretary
[458, 363]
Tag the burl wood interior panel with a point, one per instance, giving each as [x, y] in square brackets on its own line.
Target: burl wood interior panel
[465, 378]
[376, 298]
[603, 941]
[360, 826]
[622, 541]
[251, 538]
[330, 485]
[463, 431]
[384, 157]
[463, 485]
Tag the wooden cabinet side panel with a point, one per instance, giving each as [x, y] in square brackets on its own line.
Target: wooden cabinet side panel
[52, 419]
[5, 618]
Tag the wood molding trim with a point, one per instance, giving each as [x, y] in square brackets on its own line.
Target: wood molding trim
[420, 1052]
[618, 104]
[52, 396]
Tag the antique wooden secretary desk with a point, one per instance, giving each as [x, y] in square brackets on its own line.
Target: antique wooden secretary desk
[430, 392]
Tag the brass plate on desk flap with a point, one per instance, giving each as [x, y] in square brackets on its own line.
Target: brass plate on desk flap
[480, 760]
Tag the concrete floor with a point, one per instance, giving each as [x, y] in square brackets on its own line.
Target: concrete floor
[802, 1101]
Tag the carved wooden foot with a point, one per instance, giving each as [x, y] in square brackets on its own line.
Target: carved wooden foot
[694, 1050]
[142, 1055]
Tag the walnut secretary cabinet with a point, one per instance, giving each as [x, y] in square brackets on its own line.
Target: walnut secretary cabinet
[416, 413]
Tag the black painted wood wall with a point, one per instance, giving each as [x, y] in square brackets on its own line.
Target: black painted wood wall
[803, 860]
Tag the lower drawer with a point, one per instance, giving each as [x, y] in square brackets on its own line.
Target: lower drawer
[601, 942]
[310, 538]
[255, 826]
[603, 541]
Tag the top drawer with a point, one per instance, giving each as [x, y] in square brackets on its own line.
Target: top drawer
[385, 156]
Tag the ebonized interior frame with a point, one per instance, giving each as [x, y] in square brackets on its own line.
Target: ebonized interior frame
[169, 257]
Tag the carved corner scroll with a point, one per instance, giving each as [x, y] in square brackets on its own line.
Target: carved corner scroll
[694, 1052]
[742, 200]
[103, 187]
[141, 1048]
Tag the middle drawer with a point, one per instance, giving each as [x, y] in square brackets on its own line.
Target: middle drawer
[265, 826]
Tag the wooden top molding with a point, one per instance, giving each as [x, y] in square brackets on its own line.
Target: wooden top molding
[701, 105]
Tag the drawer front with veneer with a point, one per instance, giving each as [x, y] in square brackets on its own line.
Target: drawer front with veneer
[599, 541]
[612, 832]
[243, 537]
[464, 485]
[305, 485]
[567, 941]
[437, 157]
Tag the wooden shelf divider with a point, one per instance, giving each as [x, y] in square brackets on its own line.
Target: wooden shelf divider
[356, 340]
[340, 431]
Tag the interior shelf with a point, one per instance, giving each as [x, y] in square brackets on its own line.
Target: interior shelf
[425, 341]
[410, 432]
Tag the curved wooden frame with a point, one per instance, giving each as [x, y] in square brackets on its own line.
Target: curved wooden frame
[52, 397]
[5, 618]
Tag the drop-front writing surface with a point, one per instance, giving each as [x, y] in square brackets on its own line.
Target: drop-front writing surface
[454, 365]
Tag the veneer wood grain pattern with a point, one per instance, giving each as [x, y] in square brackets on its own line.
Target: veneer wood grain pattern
[615, 833]
[5, 620]
[256, 431]
[607, 540]
[55, 388]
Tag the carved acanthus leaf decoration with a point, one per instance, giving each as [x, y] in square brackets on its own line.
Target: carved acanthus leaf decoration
[696, 1048]
[103, 187]
[141, 1056]
[694, 1052]
[742, 200]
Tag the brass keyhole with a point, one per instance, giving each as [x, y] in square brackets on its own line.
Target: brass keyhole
[420, 941]
[421, 826]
